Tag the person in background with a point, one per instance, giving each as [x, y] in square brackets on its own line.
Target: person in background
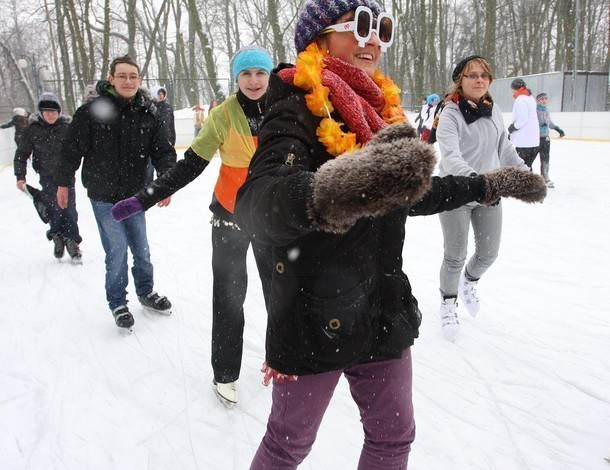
[231, 129]
[428, 112]
[339, 303]
[546, 123]
[159, 96]
[419, 118]
[524, 130]
[166, 112]
[42, 140]
[114, 134]
[19, 120]
[472, 140]
[199, 118]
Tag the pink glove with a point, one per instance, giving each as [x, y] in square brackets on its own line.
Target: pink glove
[126, 208]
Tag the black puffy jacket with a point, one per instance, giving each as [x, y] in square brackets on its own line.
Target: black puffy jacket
[115, 138]
[42, 141]
[335, 299]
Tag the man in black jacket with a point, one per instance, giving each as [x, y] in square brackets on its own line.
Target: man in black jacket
[41, 140]
[115, 133]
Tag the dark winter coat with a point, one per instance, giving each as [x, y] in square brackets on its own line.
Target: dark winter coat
[115, 139]
[335, 299]
[167, 118]
[42, 141]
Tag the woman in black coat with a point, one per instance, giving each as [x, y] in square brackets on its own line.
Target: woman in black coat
[340, 303]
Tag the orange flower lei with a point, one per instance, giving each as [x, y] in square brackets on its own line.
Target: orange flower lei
[308, 76]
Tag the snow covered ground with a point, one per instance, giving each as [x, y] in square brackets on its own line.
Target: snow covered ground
[525, 386]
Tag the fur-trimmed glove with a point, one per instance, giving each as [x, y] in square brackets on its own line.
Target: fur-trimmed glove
[393, 170]
[126, 208]
[512, 182]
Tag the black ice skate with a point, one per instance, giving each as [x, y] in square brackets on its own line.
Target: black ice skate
[123, 317]
[74, 251]
[58, 246]
[156, 303]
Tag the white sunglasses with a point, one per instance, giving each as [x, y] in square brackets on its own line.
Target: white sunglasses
[363, 28]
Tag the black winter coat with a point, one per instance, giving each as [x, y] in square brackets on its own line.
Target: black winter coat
[167, 118]
[115, 139]
[335, 299]
[42, 142]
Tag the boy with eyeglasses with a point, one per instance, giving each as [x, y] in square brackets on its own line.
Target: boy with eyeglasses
[115, 133]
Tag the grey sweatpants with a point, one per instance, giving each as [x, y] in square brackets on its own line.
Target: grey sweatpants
[487, 227]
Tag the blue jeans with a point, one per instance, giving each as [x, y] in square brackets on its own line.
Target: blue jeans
[63, 221]
[116, 237]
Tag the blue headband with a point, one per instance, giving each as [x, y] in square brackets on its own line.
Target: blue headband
[251, 57]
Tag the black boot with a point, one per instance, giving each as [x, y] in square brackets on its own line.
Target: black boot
[73, 250]
[59, 246]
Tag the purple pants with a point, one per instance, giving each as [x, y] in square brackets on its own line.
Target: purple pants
[383, 393]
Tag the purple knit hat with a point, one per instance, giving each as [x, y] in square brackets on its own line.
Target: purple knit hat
[317, 15]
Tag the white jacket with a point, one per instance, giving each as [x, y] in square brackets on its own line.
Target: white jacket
[525, 120]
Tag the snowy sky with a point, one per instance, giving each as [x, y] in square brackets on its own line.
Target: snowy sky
[525, 386]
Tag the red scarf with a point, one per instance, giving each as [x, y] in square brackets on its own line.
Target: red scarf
[354, 95]
[522, 91]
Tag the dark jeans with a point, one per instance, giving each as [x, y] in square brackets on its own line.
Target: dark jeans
[229, 249]
[383, 393]
[116, 238]
[545, 157]
[527, 154]
[63, 221]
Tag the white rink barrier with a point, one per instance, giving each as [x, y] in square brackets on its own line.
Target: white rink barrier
[586, 126]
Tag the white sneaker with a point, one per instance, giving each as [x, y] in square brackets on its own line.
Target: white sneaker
[468, 294]
[550, 184]
[449, 318]
[227, 393]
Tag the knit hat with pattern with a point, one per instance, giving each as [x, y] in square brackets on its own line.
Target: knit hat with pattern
[317, 15]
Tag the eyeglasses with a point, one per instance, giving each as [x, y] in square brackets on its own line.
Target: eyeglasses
[476, 76]
[123, 78]
[364, 25]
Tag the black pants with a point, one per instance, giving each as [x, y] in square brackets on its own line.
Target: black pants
[230, 247]
[527, 154]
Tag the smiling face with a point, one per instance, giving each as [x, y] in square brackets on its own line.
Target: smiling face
[345, 46]
[126, 80]
[253, 83]
[475, 81]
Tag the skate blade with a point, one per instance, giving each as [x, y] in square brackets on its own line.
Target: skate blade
[166, 313]
[227, 403]
[77, 261]
[126, 329]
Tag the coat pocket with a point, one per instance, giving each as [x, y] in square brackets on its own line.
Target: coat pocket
[334, 331]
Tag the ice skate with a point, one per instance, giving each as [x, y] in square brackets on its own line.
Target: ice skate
[156, 303]
[449, 318]
[58, 246]
[226, 393]
[468, 295]
[74, 251]
[123, 317]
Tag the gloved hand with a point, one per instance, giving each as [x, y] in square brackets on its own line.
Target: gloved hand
[561, 133]
[126, 208]
[394, 170]
[512, 182]
[511, 128]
